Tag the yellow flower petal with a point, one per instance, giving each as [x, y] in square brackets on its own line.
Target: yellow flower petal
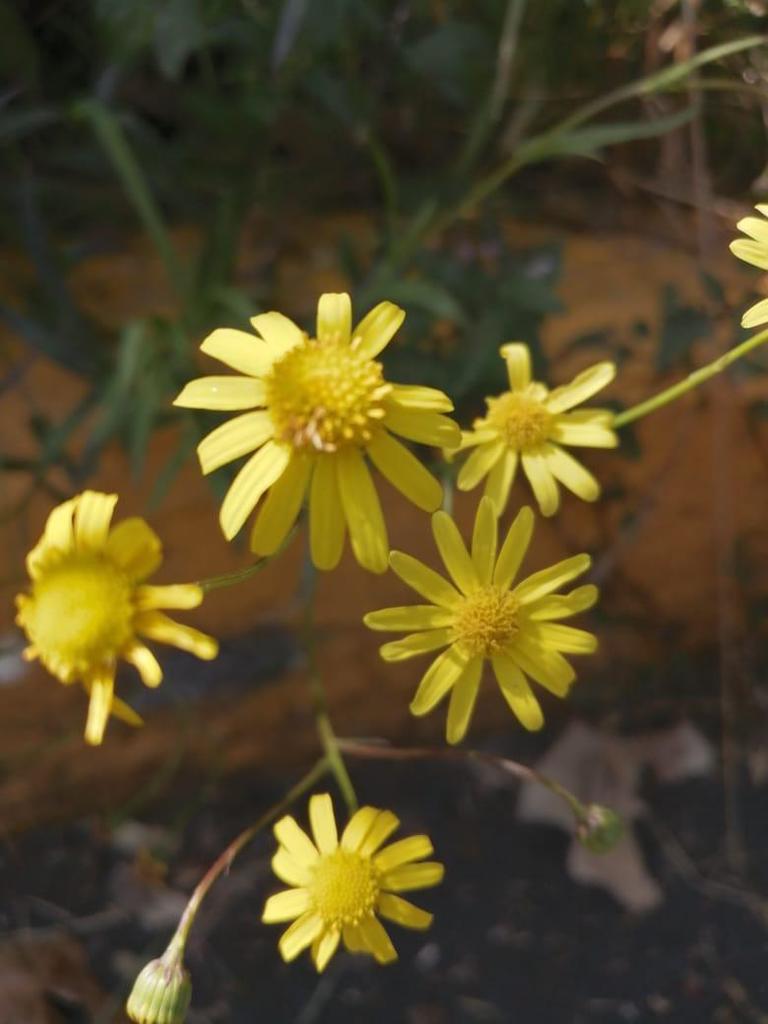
[543, 483]
[547, 667]
[101, 688]
[126, 714]
[484, 541]
[414, 876]
[280, 333]
[454, 553]
[381, 829]
[480, 463]
[157, 626]
[755, 253]
[499, 481]
[281, 507]
[405, 472]
[256, 476]
[404, 851]
[93, 515]
[175, 595]
[323, 823]
[353, 939]
[324, 948]
[302, 933]
[140, 656]
[415, 396]
[581, 429]
[403, 912]
[547, 580]
[377, 329]
[358, 827]
[415, 644]
[438, 680]
[326, 515]
[582, 387]
[222, 393]
[239, 350]
[376, 939]
[423, 427]
[334, 318]
[514, 548]
[362, 511]
[135, 547]
[289, 870]
[756, 315]
[755, 227]
[285, 906]
[462, 703]
[423, 580]
[235, 437]
[571, 473]
[295, 840]
[517, 692]
[518, 359]
[566, 639]
[59, 527]
[561, 606]
[412, 616]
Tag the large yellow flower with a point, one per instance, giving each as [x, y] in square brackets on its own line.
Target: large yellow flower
[754, 250]
[530, 424]
[340, 886]
[88, 604]
[320, 405]
[481, 617]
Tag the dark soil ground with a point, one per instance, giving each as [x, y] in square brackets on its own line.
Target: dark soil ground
[514, 940]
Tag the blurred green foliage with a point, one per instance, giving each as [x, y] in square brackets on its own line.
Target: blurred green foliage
[147, 113]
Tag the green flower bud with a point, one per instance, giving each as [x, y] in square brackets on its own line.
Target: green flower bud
[599, 829]
[161, 993]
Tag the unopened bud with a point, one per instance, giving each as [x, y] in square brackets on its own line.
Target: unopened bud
[599, 828]
[161, 993]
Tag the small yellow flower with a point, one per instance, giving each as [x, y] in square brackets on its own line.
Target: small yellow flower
[340, 886]
[482, 617]
[88, 604]
[529, 424]
[320, 406]
[754, 250]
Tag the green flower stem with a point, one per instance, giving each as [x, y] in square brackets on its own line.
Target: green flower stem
[328, 738]
[355, 748]
[230, 579]
[224, 861]
[690, 382]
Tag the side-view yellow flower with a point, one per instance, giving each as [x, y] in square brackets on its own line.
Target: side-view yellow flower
[481, 617]
[320, 406]
[529, 424]
[88, 604]
[340, 886]
[754, 250]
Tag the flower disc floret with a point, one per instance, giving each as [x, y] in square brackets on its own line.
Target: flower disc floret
[323, 396]
[486, 621]
[344, 888]
[88, 604]
[481, 615]
[521, 419]
[319, 412]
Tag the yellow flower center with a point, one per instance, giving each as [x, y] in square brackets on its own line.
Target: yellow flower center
[523, 421]
[79, 614]
[324, 395]
[344, 888]
[487, 620]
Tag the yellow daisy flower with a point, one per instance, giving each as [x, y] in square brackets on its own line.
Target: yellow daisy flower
[529, 424]
[480, 617]
[339, 886]
[320, 406]
[754, 250]
[88, 604]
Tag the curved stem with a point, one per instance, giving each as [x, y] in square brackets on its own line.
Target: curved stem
[224, 861]
[328, 738]
[690, 382]
[230, 579]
